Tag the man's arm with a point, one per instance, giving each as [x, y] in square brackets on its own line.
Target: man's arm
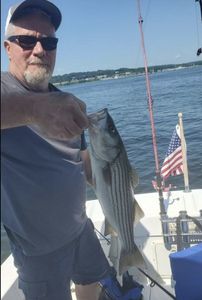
[59, 115]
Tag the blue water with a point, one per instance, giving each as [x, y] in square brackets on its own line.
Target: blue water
[126, 99]
[172, 92]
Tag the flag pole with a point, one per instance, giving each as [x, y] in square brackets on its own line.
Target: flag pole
[184, 154]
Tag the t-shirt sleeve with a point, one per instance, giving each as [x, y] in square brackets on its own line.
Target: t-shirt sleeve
[4, 85]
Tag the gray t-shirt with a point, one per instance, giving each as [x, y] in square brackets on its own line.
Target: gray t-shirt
[43, 184]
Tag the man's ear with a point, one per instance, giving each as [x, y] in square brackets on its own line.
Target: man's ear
[7, 48]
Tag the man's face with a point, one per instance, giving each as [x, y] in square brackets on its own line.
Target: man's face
[32, 67]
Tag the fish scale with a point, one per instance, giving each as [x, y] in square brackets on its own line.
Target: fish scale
[120, 195]
[114, 182]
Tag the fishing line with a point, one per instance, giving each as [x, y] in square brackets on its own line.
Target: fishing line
[104, 237]
[146, 16]
[153, 282]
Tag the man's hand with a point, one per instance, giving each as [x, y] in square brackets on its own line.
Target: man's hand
[60, 115]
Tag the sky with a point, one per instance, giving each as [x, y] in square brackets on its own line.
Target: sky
[104, 34]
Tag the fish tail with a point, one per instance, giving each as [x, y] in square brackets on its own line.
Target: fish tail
[132, 259]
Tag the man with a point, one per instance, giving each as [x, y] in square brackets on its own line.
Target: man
[44, 157]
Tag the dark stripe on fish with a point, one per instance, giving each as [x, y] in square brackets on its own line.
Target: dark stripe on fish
[121, 190]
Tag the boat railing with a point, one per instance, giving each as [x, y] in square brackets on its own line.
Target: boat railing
[183, 231]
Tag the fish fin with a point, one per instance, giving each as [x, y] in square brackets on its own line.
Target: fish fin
[127, 260]
[134, 177]
[138, 212]
[109, 229]
[106, 172]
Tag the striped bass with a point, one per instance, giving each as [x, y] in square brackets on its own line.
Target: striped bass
[114, 181]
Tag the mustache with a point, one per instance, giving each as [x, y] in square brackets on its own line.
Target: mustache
[38, 61]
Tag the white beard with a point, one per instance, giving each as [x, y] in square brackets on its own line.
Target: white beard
[38, 78]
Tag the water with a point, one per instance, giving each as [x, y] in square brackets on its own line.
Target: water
[172, 92]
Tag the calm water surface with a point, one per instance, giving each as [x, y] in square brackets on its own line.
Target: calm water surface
[172, 92]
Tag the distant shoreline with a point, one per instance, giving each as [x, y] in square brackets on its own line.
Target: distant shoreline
[82, 77]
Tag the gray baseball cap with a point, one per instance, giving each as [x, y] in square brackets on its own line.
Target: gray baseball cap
[18, 10]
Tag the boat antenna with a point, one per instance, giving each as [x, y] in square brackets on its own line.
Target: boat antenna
[150, 106]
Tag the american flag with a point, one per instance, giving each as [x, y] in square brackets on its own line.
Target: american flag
[173, 164]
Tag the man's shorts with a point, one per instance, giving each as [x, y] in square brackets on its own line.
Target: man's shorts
[47, 277]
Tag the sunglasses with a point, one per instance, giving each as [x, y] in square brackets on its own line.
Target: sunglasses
[28, 42]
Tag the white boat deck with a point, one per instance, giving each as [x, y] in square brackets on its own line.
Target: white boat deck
[148, 236]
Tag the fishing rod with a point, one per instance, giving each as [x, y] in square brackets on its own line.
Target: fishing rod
[199, 51]
[200, 4]
[150, 105]
[153, 281]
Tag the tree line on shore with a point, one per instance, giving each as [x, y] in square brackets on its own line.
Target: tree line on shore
[103, 74]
